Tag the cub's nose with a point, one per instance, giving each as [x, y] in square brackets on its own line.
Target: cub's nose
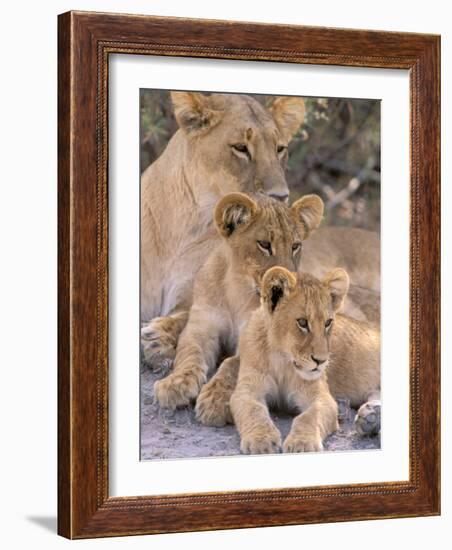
[318, 360]
[283, 197]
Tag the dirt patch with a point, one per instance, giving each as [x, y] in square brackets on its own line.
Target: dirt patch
[177, 434]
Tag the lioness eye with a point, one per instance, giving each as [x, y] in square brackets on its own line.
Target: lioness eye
[265, 246]
[328, 323]
[296, 247]
[303, 324]
[242, 149]
[280, 149]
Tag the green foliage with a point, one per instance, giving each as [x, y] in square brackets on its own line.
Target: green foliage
[336, 152]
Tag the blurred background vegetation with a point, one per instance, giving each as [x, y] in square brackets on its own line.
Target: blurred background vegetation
[335, 153]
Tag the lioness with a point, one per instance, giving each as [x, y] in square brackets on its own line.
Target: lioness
[258, 233]
[284, 352]
[224, 143]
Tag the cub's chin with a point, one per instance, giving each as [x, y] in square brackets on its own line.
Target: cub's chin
[309, 374]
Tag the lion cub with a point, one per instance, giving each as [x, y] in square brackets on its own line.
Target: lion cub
[258, 233]
[284, 353]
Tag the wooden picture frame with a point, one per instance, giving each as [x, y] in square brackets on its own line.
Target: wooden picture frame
[85, 42]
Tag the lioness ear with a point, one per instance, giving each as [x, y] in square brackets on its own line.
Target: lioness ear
[337, 282]
[232, 210]
[194, 112]
[288, 113]
[308, 211]
[276, 283]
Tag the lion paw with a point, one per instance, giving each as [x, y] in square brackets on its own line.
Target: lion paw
[158, 344]
[178, 389]
[368, 419]
[212, 406]
[300, 444]
[263, 442]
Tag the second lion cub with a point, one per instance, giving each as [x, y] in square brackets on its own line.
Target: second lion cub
[284, 352]
[257, 233]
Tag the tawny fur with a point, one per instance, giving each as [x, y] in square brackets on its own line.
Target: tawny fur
[226, 289]
[353, 369]
[304, 368]
[358, 252]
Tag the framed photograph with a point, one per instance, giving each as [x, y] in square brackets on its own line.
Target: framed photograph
[248, 275]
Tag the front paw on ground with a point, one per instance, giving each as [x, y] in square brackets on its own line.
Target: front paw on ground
[294, 444]
[177, 390]
[368, 419]
[158, 346]
[212, 407]
[263, 443]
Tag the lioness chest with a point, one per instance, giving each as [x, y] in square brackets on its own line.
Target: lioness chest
[191, 255]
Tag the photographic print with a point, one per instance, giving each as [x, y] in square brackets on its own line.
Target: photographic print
[260, 274]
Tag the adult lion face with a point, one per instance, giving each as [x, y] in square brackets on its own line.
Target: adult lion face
[235, 137]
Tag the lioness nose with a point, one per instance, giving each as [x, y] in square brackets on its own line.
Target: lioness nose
[318, 360]
[283, 197]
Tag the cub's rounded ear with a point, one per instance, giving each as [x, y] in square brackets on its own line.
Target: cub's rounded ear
[194, 111]
[337, 281]
[308, 211]
[288, 113]
[277, 283]
[233, 210]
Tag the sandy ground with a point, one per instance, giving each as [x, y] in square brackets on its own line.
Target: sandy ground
[176, 434]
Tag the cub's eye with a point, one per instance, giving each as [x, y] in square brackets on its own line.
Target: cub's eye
[303, 324]
[296, 247]
[280, 149]
[242, 150]
[328, 323]
[265, 246]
